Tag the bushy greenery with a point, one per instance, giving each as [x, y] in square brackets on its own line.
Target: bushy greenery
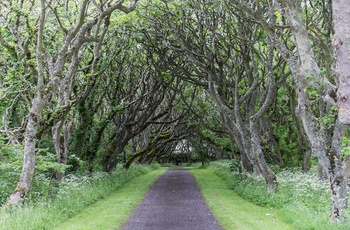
[302, 199]
[115, 209]
[10, 168]
[11, 158]
[74, 194]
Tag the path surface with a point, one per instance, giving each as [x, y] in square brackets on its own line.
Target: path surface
[173, 202]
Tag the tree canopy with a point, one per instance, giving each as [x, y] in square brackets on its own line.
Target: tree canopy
[99, 83]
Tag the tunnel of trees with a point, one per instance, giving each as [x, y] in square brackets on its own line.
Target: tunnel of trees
[88, 85]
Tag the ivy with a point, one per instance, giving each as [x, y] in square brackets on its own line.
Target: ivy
[345, 146]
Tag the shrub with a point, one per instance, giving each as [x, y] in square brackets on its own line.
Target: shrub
[302, 198]
[10, 168]
[75, 193]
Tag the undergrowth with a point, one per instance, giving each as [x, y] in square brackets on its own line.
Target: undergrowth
[302, 199]
[74, 194]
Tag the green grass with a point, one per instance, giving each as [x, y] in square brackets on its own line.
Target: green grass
[301, 200]
[74, 195]
[113, 211]
[232, 211]
[239, 201]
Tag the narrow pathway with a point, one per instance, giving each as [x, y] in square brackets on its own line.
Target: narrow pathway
[173, 202]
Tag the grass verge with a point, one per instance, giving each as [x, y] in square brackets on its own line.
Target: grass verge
[232, 211]
[74, 195]
[301, 200]
[113, 212]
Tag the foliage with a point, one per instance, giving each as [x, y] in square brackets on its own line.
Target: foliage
[116, 208]
[346, 146]
[10, 168]
[302, 198]
[11, 158]
[199, 69]
[75, 194]
[235, 166]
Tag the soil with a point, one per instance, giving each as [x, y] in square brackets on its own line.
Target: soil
[173, 202]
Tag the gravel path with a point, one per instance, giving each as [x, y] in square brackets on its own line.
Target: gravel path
[173, 202]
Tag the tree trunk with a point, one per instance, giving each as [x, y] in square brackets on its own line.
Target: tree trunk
[259, 158]
[256, 116]
[277, 149]
[61, 145]
[330, 160]
[138, 154]
[74, 39]
[28, 169]
[302, 138]
[338, 185]
[268, 129]
[252, 155]
[341, 43]
[306, 161]
[234, 125]
[321, 173]
[247, 165]
[338, 175]
[110, 158]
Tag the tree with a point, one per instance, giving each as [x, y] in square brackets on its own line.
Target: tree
[341, 17]
[17, 66]
[204, 34]
[51, 69]
[322, 126]
[97, 83]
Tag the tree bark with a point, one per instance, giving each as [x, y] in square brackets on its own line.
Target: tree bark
[330, 160]
[306, 161]
[110, 158]
[341, 44]
[233, 123]
[28, 169]
[259, 158]
[338, 173]
[251, 145]
[73, 41]
[267, 173]
[27, 173]
[61, 145]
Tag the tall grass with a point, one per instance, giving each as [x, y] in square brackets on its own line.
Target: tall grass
[74, 194]
[302, 199]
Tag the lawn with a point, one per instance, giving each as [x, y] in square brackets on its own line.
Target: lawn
[231, 210]
[113, 211]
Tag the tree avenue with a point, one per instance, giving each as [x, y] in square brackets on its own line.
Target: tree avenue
[101, 83]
